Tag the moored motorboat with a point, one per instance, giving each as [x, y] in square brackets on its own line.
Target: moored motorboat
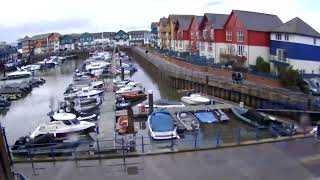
[17, 75]
[196, 99]
[64, 125]
[251, 116]
[162, 126]
[131, 87]
[189, 121]
[132, 96]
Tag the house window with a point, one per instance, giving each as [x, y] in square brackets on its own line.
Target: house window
[286, 37]
[212, 34]
[210, 45]
[204, 34]
[314, 41]
[240, 36]
[191, 34]
[281, 55]
[240, 50]
[202, 46]
[278, 36]
[197, 34]
[229, 35]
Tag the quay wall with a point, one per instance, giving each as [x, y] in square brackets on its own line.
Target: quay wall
[255, 92]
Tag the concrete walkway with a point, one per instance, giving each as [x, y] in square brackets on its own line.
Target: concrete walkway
[294, 160]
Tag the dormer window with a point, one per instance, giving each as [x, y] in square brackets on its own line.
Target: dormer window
[286, 37]
[278, 36]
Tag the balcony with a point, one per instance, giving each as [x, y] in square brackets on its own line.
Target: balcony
[278, 60]
[233, 55]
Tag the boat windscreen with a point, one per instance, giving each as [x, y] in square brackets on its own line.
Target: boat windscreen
[206, 117]
[161, 122]
[75, 121]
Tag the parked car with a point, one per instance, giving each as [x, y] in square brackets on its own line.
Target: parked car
[311, 86]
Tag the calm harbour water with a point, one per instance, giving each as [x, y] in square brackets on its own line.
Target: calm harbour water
[26, 114]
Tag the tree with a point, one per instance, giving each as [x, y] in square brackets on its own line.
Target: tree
[290, 77]
[262, 65]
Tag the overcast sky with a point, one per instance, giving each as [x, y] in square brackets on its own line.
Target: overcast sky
[29, 17]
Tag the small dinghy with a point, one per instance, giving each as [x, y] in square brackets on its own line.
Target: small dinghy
[122, 125]
[206, 117]
[161, 126]
[189, 121]
[196, 99]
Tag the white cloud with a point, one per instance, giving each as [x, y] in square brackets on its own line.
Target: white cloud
[111, 15]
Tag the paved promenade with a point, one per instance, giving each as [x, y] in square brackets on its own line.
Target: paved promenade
[294, 160]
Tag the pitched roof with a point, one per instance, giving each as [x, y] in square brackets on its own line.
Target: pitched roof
[163, 20]
[217, 20]
[198, 19]
[297, 26]
[258, 21]
[154, 25]
[184, 22]
[41, 36]
[175, 17]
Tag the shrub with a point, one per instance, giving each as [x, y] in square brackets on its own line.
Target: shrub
[262, 65]
[290, 77]
[238, 66]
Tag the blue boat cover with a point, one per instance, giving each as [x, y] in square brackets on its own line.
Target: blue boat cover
[161, 122]
[206, 117]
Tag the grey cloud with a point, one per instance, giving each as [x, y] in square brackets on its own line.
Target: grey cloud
[12, 33]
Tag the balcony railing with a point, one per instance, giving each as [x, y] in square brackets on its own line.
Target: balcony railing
[279, 59]
[233, 55]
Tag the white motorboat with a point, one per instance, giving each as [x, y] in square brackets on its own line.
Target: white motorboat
[84, 93]
[131, 87]
[196, 99]
[64, 124]
[94, 65]
[31, 67]
[18, 74]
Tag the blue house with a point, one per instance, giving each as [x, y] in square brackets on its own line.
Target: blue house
[154, 39]
[86, 40]
[121, 38]
[295, 44]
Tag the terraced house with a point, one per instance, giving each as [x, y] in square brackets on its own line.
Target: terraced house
[163, 33]
[182, 34]
[45, 43]
[297, 44]
[211, 35]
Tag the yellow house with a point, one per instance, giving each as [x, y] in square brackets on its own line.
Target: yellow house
[163, 33]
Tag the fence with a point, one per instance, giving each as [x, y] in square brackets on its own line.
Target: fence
[141, 145]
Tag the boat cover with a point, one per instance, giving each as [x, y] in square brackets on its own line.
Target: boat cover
[206, 117]
[161, 122]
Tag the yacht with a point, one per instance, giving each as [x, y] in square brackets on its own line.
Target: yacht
[64, 124]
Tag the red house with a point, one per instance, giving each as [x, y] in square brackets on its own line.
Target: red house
[246, 36]
[181, 33]
[211, 34]
[193, 31]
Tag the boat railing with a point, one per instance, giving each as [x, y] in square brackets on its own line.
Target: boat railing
[121, 147]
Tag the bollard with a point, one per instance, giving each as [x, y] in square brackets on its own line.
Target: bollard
[150, 97]
[98, 148]
[75, 156]
[142, 144]
[172, 142]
